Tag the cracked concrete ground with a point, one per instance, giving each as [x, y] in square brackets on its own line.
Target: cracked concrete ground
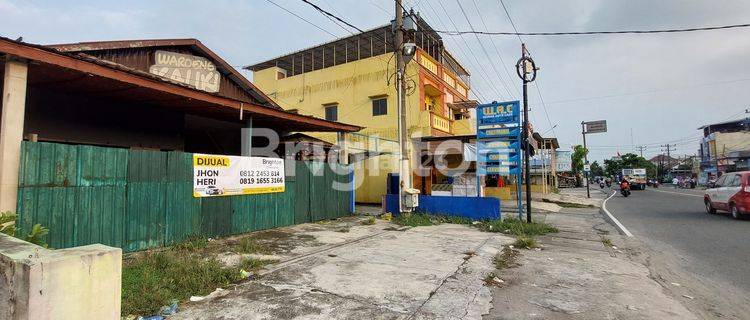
[374, 272]
[577, 276]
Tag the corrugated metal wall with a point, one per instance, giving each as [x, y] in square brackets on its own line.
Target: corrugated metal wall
[137, 199]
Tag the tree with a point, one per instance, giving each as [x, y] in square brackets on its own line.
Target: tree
[579, 153]
[629, 161]
[596, 169]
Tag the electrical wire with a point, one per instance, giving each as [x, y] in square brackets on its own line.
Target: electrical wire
[321, 10]
[574, 33]
[479, 93]
[484, 50]
[479, 64]
[303, 19]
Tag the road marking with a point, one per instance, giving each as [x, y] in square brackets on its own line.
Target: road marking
[679, 193]
[613, 219]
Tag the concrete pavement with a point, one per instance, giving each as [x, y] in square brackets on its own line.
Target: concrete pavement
[579, 276]
[707, 255]
[383, 272]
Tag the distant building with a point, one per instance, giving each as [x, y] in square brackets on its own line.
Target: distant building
[352, 80]
[725, 147]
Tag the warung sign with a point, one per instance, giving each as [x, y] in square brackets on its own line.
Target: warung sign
[219, 175]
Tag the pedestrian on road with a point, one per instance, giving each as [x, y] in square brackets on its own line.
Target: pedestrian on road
[676, 182]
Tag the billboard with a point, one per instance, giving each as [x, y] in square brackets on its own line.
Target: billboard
[220, 175]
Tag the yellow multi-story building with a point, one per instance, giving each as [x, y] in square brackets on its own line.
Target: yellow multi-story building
[352, 80]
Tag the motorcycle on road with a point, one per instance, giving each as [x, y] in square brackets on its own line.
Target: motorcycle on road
[625, 189]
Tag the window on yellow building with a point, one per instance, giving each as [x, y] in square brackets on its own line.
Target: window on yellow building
[379, 106]
[332, 112]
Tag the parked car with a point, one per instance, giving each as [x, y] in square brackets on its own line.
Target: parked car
[730, 193]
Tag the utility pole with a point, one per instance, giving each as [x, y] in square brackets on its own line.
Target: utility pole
[526, 70]
[585, 158]
[404, 170]
[640, 149]
[668, 149]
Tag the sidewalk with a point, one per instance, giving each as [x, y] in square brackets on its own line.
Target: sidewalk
[379, 271]
[582, 272]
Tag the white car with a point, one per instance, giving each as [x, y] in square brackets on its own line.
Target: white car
[730, 193]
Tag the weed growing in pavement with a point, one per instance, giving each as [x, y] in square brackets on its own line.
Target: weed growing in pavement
[154, 279]
[369, 221]
[506, 259]
[526, 242]
[516, 227]
[254, 265]
[414, 220]
[250, 245]
[151, 280]
[607, 242]
[421, 219]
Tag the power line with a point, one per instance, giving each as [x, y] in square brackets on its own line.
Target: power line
[538, 90]
[484, 50]
[321, 10]
[303, 19]
[474, 89]
[497, 51]
[511, 20]
[574, 33]
[648, 91]
[479, 64]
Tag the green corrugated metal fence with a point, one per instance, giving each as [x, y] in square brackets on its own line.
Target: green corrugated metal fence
[137, 199]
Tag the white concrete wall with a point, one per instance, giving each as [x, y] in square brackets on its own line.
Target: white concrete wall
[75, 283]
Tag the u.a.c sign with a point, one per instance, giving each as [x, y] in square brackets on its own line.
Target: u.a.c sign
[498, 112]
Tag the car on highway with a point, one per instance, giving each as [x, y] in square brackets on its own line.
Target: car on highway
[731, 193]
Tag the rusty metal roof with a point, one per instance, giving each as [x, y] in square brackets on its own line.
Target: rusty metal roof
[195, 44]
[120, 78]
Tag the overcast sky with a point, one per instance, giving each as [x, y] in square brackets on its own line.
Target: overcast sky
[659, 87]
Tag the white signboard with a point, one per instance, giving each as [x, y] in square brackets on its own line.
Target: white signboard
[587, 167]
[219, 175]
[195, 71]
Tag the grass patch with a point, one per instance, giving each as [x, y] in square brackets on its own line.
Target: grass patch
[414, 220]
[607, 242]
[255, 265]
[526, 242]
[192, 243]
[153, 280]
[421, 219]
[516, 227]
[369, 221]
[569, 204]
[250, 245]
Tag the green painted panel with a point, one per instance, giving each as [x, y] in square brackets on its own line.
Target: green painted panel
[99, 166]
[142, 199]
[47, 164]
[216, 214]
[302, 191]
[146, 200]
[183, 211]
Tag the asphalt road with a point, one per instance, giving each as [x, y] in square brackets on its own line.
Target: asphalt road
[668, 219]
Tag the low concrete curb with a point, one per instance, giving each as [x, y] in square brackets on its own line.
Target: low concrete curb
[611, 219]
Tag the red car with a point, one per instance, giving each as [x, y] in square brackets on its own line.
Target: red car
[730, 193]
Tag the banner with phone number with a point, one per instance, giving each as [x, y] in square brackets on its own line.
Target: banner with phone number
[219, 175]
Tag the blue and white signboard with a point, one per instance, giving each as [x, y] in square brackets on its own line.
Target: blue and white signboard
[499, 142]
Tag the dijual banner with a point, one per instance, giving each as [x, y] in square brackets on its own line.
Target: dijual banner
[219, 175]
